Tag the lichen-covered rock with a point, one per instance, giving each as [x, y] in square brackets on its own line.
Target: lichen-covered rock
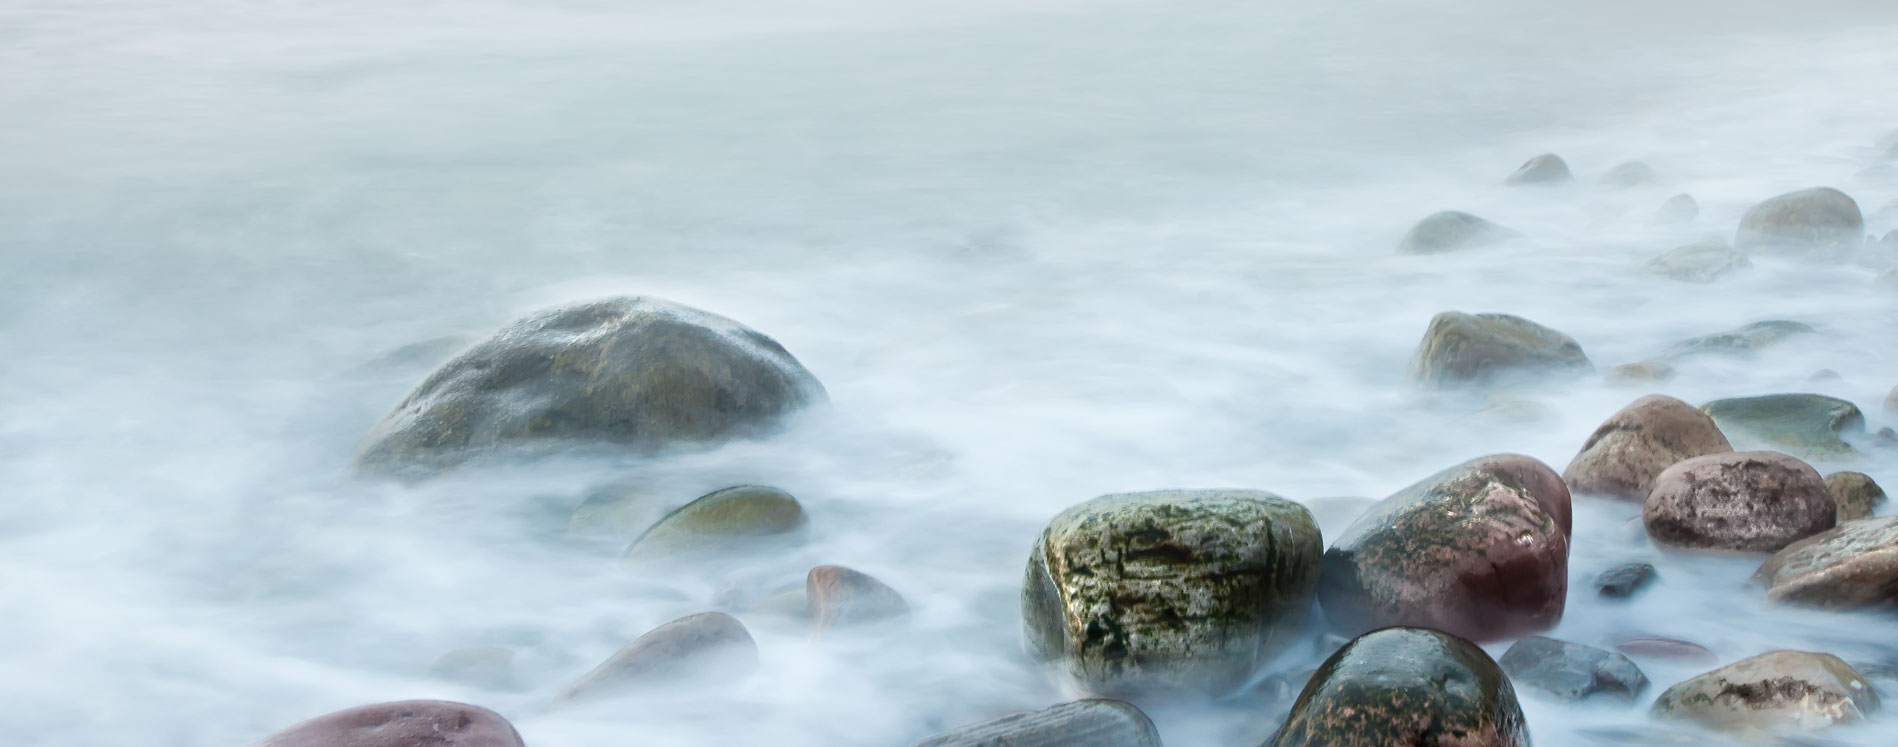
[1628, 174]
[1852, 566]
[837, 596]
[1449, 231]
[1082, 723]
[1854, 493]
[1407, 687]
[1547, 168]
[1772, 692]
[635, 373]
[1680, 208]
[407, 723]
[721, 520]
[1479, 550]
[1809, 426]
[1637, 374]
[701, 648]
[1622, 581]
[1743, 341]
[1820, 222]
[1750, 501]
[1699, 262]
[1169, 591]
[1624, 455]
[1571, 671]
[1461, 348]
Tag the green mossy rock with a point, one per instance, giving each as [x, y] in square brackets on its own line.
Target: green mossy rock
[1405, 687]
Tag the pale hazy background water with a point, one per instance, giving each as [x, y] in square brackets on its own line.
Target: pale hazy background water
[1037, 251]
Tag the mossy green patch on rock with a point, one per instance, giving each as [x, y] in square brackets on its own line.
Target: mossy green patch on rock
[1406, 686]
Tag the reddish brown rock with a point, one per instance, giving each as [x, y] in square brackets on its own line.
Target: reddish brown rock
[1751, 501]
[705, 647]
[1853, 566]
[1479, 551]
[836, 596]
[408, 723]
[1623, 456]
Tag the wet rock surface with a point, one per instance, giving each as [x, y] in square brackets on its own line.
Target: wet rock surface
[1810, 426]
[697, 649]
[1819, 223]
[1082, 723]
[1450, 231]
[1169, 591]
[408, 723]
[1624, 455]
[1743, 341]
[1460, 348]
[1624, 581]
[1663, 649]
[1571, 671]
[1547, 168]
[720, 521]
[1406, 686]
[1855, 493]
[1750, 501]
[1852, 566]
[836, 596]
[1771, 692]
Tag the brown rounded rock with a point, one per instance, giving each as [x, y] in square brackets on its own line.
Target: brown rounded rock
[1751, 501]
[1854, 493]
[1852, 566]
[407, 723]
[836, 596]
[1624, 455]
[1479, 550]
[1400, 687]
[1770, 692]
[709, 646]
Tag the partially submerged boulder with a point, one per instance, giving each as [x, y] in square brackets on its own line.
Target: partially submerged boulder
[1547, 168]
[1461, 348]
[1749, 501]
[1771, 692]
[1624, 455]
[407, 723]
[1623, 581]
[720, 521]
[1082, 723]
[634, 373]
[707, 647]
[1700, 262]
[1571, 671]
[1449, 231]
[1169, 591]
[1742, 341]
[1678, 209]
[1406, 686]
[1479, 550]
[1854, 493]
[1820, 222]
[1637, 374]
[1852, 566]
[1810, 426]
[836, 596]
[1628, 174]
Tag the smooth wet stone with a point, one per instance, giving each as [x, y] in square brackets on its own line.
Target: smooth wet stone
[1678, 209]
[623, 508]
[1460, 348]
[723, 520]
[698, 649]
[1749, 501]
[1082, 723]
[1628, 174]
[1699, 262]
[1479, 550]
[837, 596]
[1637, 374]
[1809, 426]
[639, 374]
[1547, 168]
[1571, 671]
[1770, 692]
[407, 723]
[1450, 231]
[1855, 565]
[1624, 455]
[1169, 591]
[489, 667]
[1666, 649]
[1406, 687]
[1855, 494]
[1821, 223]
[1622, 581]
[1746, 340]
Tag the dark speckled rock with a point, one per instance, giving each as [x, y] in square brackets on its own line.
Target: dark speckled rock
[1772, 691]
[408, 723]
[1169, 591]
[1622, 581]
[1460, 348]
[1850, 567]
[1820, 223]
[1479, 550]
[1406, 687]
[1750, 501]
[1083, 723]
[1623, 456]
[1571, 671]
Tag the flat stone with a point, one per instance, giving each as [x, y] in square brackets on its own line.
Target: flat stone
[408, 723]
[1571, 671]
[1082, 723]
[1633, 446]
[1460, 348]
[1744, 341]
[1852, 566]
[697, 649]
[1809, 426]
[1770, 692]
[1667, 649]
[1855, 494]
[1622, 581]
[1406, 686]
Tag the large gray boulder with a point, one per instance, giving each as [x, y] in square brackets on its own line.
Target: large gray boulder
[1749, 501]
[1772, 692]
[1449, 231]
[1461, 348]
[1810, 426]
[1406, 686]
[1852, 566]
[1623, 456]
[635, 373]
[1169, 591]
[1082, 723]
[407, 723]
[1821, 222]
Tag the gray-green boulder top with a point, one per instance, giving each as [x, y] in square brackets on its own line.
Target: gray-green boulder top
[1451, 230]
[1809, 426]
[636, 373]
[725, 520]
[1405, 687]
[1460, 348]
[1821, 222]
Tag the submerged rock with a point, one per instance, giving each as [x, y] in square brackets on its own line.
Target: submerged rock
[1854, 493]
[1624, 455]
[1082, 723]
[635, 373]
[1699, 262]
[1680, 208]
[1479, 550]
[1771, 692]
[1547, 168]
[1852, 566]
[1667, 649]
[1406, 686]
[1632, 374]
[1628, 174]
[1450, 231]
[837, 596]
[407, 723]
[707, 647]
[1820, 222]
[623, 508]
[1743, 341]
[1622, 581]
[1750, 501]
[1806, 425]
[721, 520]
[1571, 671]
[1169, 591]
[1461, 348]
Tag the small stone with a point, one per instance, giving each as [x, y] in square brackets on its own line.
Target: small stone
[1769, 692]
[1819, 223]
[1743, 341]
[1571, 671]
[1749, 501]
[721, 521]
[1460, 348]
[1628, 174]
[1678, 209]
[1633, 446]
[1651, 647]
[1622, 581]
[1645, 372]
[1547, 168]
[1855, 494]
[1406, 686]
[1850, 567]
[1450, 231]
[1809, 426]
[837, 596]
[702, 648]
[489, 667]
[1699, 262]
[1082, 723]
[408, 723]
